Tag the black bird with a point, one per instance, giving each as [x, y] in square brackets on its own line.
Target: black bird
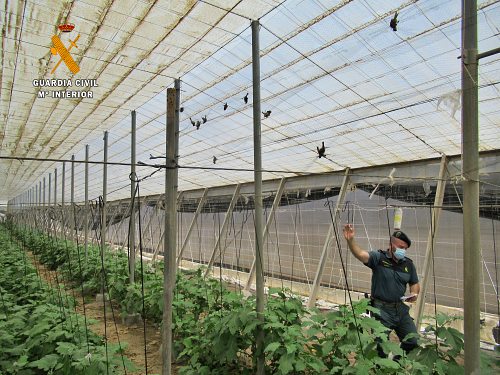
[321, 151]
[245, 98]
[181, 109]
[266, 114]
[215, 160]
[204, 119]
[394, 22]
[192, 122]
[198, 123]
[225, 106]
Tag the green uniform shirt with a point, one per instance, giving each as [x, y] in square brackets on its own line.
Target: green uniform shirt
[389, 279]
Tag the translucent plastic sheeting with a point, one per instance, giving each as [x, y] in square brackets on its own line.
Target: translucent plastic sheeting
[331, 71]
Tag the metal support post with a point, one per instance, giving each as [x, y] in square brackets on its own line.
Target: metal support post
[257, 157]
[63, 185]
[223, 230]
[87, 208]
[162, 232]
[44, 216]
[55, 200]
[73, 216]
[276, 203]
[433, 230]
[470, 171]
[50, 187]
[191, 226]
[170, 230]
[132, 197]
[104, 193]
[328, 240]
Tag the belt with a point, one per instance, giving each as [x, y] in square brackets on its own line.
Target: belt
[385, 303]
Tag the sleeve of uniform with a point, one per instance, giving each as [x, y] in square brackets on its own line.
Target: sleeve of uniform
[413, 275]
[373, 259]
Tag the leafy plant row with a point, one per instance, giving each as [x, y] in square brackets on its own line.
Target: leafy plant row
[215, 328]
[40, 333]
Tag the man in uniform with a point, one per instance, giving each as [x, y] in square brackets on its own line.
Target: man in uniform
[391, 271]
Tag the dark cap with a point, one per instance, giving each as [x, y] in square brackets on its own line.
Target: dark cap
[403, 237]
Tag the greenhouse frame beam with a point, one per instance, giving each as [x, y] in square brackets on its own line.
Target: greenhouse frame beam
[170, 230]
[470, 174]
[407, 172]
[276, 203]
[223, 230]
[321, 265]
[431, 239]
[191, 226]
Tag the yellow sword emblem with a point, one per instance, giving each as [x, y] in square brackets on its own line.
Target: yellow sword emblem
[64, 53]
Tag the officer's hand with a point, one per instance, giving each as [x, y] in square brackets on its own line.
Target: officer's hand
[412, 299]
[348, 232]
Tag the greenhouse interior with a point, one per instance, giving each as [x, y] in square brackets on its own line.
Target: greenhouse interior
[249, 187]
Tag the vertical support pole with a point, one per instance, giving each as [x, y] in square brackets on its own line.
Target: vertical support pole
[104, 192]
[63, 185]
[87, 208]
[257, 157]
[170, 230]
[55, 187]
[44, 217]
[435, 212]
[55, 201]
[73, 216]
[276, 203]
[37, 204]
[328, 240]
[162, 232]
[132, 197]
[191, 226]
[470, 172]
[50, 187]
[223, 230]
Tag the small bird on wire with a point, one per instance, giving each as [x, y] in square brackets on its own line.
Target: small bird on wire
[394, 22]
[192, 122]
[204, 119]
[225, 106]
[198, 123]
[321, 151]
[266, 114]
[245, 98]
[215, 160]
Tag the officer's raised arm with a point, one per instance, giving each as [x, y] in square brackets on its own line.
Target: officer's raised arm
[357, 251]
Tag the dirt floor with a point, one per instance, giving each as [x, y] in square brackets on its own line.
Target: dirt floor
[116, 331]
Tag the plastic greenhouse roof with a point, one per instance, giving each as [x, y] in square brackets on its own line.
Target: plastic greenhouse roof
[331, 71]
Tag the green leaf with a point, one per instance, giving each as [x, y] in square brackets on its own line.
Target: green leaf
[290, 348]
[286, 364]
[271, 348]
[65, 348]
[387, 363]
[46, 363]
